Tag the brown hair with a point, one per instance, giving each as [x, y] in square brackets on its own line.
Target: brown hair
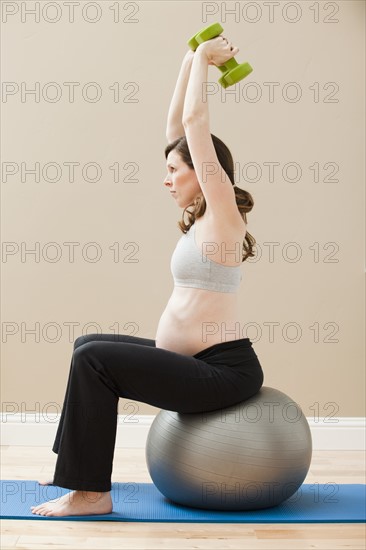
[243, 198]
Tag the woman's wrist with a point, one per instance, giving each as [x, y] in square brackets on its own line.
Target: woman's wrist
[189, 55]
[201, 51]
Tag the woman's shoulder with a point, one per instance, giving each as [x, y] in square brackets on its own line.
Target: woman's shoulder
[224, 226]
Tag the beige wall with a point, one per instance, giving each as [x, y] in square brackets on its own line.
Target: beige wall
[317, 300]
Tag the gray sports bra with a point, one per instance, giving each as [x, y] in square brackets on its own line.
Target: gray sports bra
[191, 268]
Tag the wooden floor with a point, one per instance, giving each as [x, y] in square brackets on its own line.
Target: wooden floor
[129, 465]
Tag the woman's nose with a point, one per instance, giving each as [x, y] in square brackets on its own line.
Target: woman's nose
[167, 181]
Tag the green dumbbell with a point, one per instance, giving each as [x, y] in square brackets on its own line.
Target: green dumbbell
[232, 71]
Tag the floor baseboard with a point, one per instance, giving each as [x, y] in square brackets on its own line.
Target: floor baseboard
[346, 433]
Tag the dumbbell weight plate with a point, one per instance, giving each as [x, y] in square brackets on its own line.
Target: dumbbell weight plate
[205, 34]
[235, 75]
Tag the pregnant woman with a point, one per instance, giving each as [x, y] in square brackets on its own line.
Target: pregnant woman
[198, 361]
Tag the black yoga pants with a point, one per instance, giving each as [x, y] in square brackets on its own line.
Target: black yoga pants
[105, 367]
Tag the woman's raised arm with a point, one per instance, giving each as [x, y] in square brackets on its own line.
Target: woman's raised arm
[174, 128]
[215, 183]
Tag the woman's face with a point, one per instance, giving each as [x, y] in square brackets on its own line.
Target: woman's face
[181, 180]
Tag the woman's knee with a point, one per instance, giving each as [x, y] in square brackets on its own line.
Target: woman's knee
[89, 366]
[85, 349]
[81, 340]
[84, 358]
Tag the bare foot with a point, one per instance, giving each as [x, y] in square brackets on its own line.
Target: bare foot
[76, 503]
[48, 482]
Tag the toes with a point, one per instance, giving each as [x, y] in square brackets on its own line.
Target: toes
[38, 509]
[34, 509]
[43, 511]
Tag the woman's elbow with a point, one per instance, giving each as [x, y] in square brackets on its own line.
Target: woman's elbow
[194, 118]
[187, 120]
[195, 121]
[172, 134]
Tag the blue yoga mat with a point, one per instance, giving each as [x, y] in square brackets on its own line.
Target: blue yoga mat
[312, 503]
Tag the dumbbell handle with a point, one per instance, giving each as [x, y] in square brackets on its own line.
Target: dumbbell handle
[232, 71]
[207, 34]
[228, 65]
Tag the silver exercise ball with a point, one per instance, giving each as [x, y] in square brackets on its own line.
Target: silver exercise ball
[252, 455]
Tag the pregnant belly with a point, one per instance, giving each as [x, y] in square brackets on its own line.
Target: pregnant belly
[195, 319]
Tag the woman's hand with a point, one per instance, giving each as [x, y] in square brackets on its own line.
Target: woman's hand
[218, 50]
